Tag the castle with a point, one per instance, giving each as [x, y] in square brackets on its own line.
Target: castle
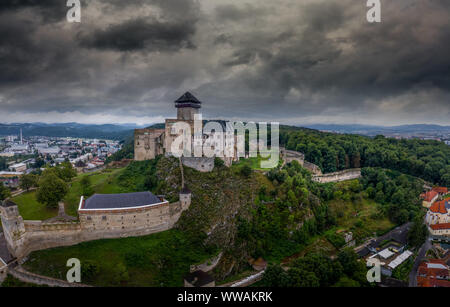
[114, 215]
[101, 216]
[149, 143]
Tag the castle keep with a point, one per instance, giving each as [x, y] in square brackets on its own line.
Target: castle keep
[149, 143]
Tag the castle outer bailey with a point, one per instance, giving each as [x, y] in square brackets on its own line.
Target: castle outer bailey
[149, 143]
[102, 216]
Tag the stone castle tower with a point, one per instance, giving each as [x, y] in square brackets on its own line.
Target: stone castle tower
[185, 198]
[187, 106]
[149, 142]
[13, 225]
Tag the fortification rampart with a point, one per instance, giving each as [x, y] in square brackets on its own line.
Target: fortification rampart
[29, 277]
[23, 237]
[347, 174]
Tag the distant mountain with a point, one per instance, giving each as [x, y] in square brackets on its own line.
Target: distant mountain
[106, 131]
[384, 130]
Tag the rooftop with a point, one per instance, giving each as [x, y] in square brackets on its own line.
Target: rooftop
[441, 190]
[121, 201]
[187, 100]
[430, 195]
[440, 226]
[440, 207]
[8, 203]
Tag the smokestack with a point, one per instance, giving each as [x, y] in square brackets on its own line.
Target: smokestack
[21, 139]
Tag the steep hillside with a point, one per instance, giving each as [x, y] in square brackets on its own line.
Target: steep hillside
[219, 200]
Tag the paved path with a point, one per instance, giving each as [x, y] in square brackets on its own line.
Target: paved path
[25, 276]
[422, 252]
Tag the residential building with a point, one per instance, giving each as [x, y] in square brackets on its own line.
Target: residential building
[433, 273]
[429, 198]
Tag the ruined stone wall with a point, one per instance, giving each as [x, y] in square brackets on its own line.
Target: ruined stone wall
[32, 278]
[338, 176]
[290, 155]
[148, 143]
[312, 168]
[201, 164]
[171, 134]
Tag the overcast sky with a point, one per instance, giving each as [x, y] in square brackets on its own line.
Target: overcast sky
[292, 61]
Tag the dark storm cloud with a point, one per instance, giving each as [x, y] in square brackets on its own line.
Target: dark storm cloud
[151, 35]
[289, 60]
[49, 10]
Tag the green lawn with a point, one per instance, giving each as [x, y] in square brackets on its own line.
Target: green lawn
[31, 209]
[254, 163]
[361, 217]
[103, 182]
[160, 259]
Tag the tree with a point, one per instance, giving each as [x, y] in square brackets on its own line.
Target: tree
[275, 276]
[4, 192]
[52, 189]
[349, 261]
[86, 186]
[39, 163]
[66, 171]
[28, 181]
[301, 278]
[418, 232]
[347, 282]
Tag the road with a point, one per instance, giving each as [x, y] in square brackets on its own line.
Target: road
[422, 252]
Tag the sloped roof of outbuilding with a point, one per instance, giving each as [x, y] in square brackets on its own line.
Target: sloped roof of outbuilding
[121, 201]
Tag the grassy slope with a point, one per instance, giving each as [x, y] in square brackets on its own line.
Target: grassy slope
[102, 182]
[31, 209]
[160, 259]
[360, 217]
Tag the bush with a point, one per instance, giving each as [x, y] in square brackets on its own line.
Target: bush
[218, 162]
[337, 240]
[246, 171]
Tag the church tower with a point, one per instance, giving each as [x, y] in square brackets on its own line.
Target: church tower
[187, 106]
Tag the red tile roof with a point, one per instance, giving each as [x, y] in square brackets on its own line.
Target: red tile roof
[439, 207]
[428, 196]
[441, 190]
[431, 282]
[433, 277]
[440, 226]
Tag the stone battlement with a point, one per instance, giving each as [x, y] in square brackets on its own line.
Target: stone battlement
[347, 174]
[23, 237]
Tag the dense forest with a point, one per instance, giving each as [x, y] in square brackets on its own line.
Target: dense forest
[429, 160]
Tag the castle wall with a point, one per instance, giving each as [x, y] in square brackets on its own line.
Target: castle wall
[24, 237]
[201, 164]
[148, 143]
[171, 134]
[290, 155]
[338, 176]
[312, 168]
